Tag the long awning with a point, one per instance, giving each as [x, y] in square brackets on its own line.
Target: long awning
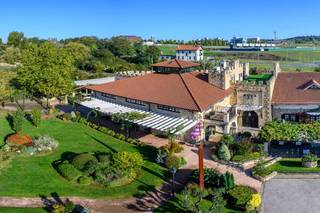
[153, 120]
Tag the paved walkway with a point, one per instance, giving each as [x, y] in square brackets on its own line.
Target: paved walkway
[190, 153]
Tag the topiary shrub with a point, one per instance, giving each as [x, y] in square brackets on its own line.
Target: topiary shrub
[81, 160]
[68, 171]
[84, 180]
[239, 196]
[36, 117]
[228, 181]
[254, 202]
[128, 162]
[227, 139]
[172, 147]
[224, 152]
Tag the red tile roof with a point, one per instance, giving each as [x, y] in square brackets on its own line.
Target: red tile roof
[189, 47]
[186, 91]
[290, 88]
[176, 64]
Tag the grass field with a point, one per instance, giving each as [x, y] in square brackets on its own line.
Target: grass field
[34, 176]
[21, 210]
[292, 165]
[167, 50]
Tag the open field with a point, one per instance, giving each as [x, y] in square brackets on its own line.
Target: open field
[32, 176]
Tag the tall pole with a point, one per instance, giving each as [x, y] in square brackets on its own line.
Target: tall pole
[201, 172]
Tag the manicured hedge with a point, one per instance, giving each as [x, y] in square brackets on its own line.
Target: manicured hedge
[81, 160]
[68, 171]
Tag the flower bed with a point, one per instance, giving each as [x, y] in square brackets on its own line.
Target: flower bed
[19, 139]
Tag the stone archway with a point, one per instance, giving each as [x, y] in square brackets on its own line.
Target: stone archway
[210, 130]
[250, 119]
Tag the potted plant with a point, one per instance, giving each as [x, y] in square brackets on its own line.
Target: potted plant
[310, 160]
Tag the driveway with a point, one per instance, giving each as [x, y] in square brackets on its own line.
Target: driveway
[292, 195]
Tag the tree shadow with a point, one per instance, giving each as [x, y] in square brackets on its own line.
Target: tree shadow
[102, 143]
[56, 199]
[9, 118]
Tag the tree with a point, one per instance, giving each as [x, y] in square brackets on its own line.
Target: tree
[121, 47]
[11, 55]
[224, 153]
[17, 120]
[46, 71]
[6, 87]
[78, 51]
[16, 39]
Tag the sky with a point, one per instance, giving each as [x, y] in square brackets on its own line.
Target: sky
[161, 19]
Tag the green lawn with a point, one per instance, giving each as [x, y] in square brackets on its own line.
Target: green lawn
[292, 165]
[167, 50]
[21, 210]
[259, 77]
[34, 176]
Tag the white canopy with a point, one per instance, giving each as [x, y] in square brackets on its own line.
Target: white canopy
[153, 120]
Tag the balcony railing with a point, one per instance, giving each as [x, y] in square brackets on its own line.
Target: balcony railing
[224, 115]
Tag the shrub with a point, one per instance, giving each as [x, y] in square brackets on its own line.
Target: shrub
[84, 180]
[81, 160]
[261, 170]
[224, 153]
[228, 181]
[227, 139]
[212, 178]
[68, 171]
[243, 148]
[44, 144]
[309, 158]
[128, 162]
[36, 117]
[17, 120]
[239, 196]
[173, 147]
[104, 158]
[254, 202]
[174, 162]
[18, 139]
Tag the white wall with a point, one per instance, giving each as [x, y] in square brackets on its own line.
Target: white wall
[188, 55]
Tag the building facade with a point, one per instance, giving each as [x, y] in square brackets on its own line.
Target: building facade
[189, 53]
[227, 99]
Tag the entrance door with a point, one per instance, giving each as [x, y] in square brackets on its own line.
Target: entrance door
[210, 130]
[250, 119]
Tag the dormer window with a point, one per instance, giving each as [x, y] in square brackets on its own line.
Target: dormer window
[312, 84]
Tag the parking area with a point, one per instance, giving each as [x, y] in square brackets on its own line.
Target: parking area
[292, 195]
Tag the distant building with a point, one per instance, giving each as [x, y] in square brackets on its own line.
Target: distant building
[132, 38]
[189, 53]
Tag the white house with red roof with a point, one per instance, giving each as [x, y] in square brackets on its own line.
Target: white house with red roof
[189, 52]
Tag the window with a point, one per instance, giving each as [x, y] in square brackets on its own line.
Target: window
[167, 108]
[290, 117]
[315, 117]
[108, 96]
[248, 98]
[134, 101]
